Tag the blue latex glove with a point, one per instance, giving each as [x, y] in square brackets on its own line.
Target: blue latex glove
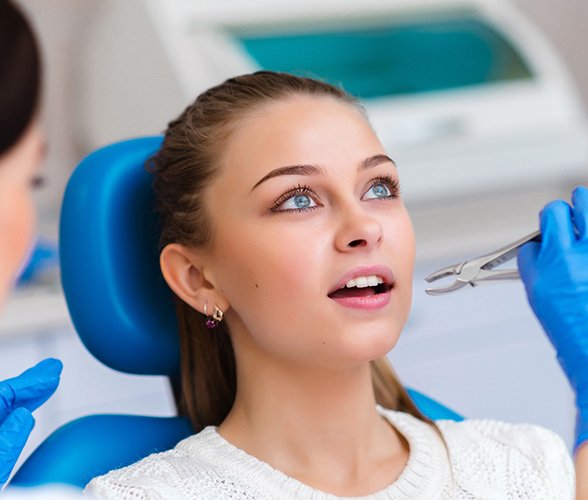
[555, 274]
[19, 396]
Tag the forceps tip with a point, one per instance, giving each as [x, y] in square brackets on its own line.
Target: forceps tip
[443, 273]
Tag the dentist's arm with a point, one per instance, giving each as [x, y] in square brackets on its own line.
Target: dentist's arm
[19, 396]
[555, 274]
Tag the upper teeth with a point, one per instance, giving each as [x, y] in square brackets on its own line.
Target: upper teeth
[364, 281]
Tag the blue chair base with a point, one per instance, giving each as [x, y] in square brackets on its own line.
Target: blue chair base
[93, 445]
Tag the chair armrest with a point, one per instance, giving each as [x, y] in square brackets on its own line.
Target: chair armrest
[431, 408]
[93, 445]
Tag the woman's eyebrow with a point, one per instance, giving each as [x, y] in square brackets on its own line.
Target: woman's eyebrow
[291, 170]
[374, 161]
[367, 163]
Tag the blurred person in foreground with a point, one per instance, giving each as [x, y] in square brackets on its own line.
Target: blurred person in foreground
[22, 149]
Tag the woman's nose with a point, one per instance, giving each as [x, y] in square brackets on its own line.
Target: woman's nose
[358, 229]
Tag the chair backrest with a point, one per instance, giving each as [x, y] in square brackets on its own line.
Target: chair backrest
[121, 308]
[123, 312]
[110, 265]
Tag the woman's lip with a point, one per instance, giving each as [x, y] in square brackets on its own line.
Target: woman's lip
[378, 270]
[369, 302]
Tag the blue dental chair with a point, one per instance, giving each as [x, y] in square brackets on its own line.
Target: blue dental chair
[123, 312]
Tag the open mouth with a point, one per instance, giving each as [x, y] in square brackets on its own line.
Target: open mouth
[362, 289]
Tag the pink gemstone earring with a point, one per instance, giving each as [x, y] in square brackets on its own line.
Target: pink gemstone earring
[213, 321]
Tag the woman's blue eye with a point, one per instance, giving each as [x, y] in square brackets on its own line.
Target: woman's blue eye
[378, 190]
[298, 202]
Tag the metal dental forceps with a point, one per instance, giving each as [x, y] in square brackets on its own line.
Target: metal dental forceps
[479, 270]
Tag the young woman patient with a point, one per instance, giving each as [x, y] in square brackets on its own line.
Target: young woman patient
[290, 250]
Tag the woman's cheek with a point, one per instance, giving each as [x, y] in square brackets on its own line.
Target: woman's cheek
[17, 223]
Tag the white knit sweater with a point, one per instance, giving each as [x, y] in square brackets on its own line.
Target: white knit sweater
[487, 460]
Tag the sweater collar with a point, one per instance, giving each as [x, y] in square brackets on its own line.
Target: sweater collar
[424, 475]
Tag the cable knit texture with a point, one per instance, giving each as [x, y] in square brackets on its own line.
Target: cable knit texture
[480, 459]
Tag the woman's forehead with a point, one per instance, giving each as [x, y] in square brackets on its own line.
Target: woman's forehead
[300, 107]
[300, 129]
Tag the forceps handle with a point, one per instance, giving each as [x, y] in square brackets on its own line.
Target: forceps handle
[509, 251]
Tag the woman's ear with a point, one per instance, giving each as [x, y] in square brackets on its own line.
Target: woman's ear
[182, 270]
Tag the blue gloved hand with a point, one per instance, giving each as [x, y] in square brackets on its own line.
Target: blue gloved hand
[555, 274]
[19, 396]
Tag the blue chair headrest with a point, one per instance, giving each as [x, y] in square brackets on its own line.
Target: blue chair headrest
[120, 305]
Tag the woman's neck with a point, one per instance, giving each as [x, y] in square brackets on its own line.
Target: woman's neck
[316, 424]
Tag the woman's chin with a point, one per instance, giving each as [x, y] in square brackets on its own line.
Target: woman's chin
[373, 346]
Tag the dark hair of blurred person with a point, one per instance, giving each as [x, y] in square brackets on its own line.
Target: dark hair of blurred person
[20, 75]
[21, 140]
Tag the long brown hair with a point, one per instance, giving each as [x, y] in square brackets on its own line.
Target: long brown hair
[183, 168]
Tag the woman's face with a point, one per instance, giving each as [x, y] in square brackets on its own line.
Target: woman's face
[18, 170]
[307, 201]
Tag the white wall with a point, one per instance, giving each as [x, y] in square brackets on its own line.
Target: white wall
[564, 23]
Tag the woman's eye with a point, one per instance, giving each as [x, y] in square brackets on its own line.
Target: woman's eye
[298, 202]
[378, 190]
[297, 199]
